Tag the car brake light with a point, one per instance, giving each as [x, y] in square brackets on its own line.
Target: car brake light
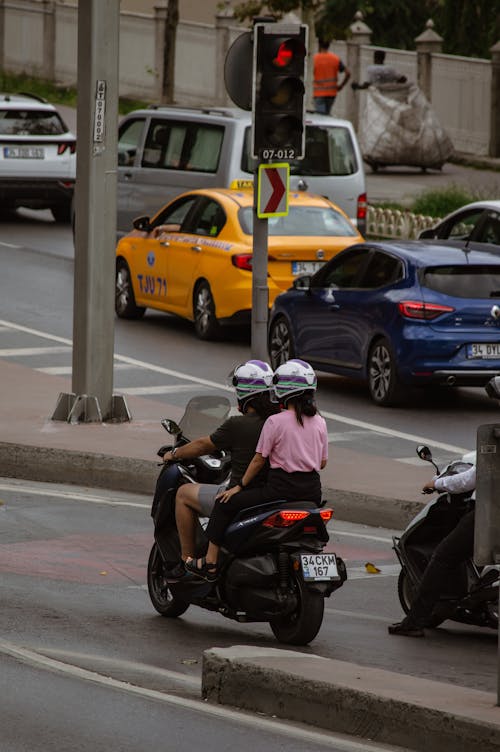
[285, 518]
[71, 145]
[414, 309]
[242, 261]
[362, 206]
[326, 514]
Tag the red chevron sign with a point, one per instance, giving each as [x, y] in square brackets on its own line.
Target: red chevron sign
[272, 190]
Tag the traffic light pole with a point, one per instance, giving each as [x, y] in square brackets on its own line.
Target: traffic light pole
[260, 289]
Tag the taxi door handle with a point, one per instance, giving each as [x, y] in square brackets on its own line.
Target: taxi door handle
[196, 248]
[166, 243]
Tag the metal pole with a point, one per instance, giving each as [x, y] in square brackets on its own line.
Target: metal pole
[260, 290]
[95, 237]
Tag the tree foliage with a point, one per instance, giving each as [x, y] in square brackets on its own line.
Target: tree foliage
[468, 27]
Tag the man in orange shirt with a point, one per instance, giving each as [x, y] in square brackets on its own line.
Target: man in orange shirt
[327, 67]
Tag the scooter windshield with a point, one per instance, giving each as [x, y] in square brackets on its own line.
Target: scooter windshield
[203, 415]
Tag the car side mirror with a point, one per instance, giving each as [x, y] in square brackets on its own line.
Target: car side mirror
[426, 234]
[142, 223]
[302, 283]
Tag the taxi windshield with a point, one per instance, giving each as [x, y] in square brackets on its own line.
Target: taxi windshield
[329, 151]
[302, 221]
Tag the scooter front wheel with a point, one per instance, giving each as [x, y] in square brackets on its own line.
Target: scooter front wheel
[159, 592]
[302, 625]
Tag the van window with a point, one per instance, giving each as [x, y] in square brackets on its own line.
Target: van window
[329, 151]
[183, 146]
[128, 141]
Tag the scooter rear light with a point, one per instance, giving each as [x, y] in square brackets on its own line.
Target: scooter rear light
[326, 514]
[285, 518]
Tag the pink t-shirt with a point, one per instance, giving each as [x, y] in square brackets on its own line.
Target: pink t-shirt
[292, 447]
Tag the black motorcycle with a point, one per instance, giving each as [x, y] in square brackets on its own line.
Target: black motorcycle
[471, 596]
[272, 566]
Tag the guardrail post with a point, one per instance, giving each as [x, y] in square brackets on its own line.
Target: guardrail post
[360, 34]
[427, 44]
[223, 20]
[494, 149]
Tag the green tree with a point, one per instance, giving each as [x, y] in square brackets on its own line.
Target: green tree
[251, 8]
[469, 27]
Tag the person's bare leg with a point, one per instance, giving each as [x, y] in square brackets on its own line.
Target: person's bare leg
[212, 553]
[187, 510]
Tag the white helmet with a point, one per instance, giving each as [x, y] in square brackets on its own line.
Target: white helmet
[251, 378]
[294, 378]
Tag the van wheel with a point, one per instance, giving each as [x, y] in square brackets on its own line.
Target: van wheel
[205, 321]
[62, 213]
[125, 306]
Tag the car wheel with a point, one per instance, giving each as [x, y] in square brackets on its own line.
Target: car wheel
[383, 384]
[281, 346]
[125, 306]
[205, 321]
[62, 213]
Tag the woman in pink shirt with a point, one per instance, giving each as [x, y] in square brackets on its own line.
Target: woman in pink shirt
[294, 442]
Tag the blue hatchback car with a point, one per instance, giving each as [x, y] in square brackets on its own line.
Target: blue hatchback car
[396, 314]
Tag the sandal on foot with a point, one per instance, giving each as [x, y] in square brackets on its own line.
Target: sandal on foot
[202, 568]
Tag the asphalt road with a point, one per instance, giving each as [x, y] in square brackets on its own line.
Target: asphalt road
[90, 665]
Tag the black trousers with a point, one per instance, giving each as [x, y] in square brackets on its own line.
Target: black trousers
[280, 485]
[457, 547]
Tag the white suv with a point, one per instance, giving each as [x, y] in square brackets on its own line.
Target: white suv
[37, 156]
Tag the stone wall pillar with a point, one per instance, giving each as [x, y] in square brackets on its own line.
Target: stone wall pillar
[49, 40]
[360, 34]
[494, 150]
[223, 20]
[160, 21]
[428, 43]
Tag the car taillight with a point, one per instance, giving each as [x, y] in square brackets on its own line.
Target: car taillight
[414, 309]
[326, 514]
[242, 261]
[285, 518]
[362, 206]
[71, 145]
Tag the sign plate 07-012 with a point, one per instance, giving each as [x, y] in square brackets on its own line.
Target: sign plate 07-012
[272, 190]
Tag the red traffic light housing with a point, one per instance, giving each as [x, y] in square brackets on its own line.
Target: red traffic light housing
[279, 91]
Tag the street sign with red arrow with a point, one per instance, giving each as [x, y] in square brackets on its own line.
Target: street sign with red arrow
[272, 190]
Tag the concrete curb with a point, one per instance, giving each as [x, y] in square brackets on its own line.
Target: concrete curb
[117, 473]
[379, 705]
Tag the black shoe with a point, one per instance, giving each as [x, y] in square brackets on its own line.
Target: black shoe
[175, 574]
[406, 629]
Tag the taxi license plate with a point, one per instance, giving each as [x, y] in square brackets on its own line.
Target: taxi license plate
[486, 351]
[23, 152]
[319, 567]
[305, 267]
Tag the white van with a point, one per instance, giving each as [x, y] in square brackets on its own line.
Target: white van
[164, 151]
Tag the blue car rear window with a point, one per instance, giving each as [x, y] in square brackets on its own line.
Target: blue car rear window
[464, 281]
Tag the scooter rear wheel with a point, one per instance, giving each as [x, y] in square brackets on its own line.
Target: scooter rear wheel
[161, 596]
[406, 594]
[302, 625]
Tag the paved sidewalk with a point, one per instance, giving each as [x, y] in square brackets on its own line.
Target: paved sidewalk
[388, 707]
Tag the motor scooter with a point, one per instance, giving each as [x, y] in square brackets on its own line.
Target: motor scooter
[471, 595]
[272, 564]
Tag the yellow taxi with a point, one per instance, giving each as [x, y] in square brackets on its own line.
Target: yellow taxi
[194, 257]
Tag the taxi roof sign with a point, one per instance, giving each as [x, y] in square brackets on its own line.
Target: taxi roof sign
[240, 184]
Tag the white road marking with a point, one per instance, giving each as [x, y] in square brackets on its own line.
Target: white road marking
[377, 538]
[356, 615]
[68, 370]
[206, 382]
[10, 245]
[360, 573]
[16, 352]
[72, 496]
[328, 739]
[165, 389]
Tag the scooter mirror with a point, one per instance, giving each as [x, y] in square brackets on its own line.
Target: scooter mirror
[170, 426]
[424, 453]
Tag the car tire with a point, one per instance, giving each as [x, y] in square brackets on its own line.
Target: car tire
[281, 347]
[205, 321]
[125, 306]
[62, 213]
[383, 384]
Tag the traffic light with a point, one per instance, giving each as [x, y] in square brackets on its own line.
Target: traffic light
[279, 72]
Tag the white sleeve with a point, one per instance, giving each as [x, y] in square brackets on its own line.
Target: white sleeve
[460, 483]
